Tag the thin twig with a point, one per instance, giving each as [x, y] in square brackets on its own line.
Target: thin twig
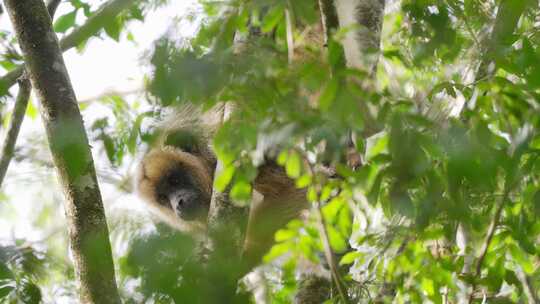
[328, 252]
[489, 237]
[525, 280]
[290, 38]
[110, 94]
[330, 256]
[17, 117]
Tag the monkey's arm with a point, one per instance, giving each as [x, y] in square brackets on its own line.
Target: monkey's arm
[282, 202]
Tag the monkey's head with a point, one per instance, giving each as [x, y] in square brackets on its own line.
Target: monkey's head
[175, 177]
[177, 184]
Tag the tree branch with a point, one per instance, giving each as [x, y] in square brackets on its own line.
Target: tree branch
[329, 19]
[491, 232]
[89, 235]
[330, 256]
[508, 15]
[528, 288]
[19, 109]
[95, 23]
[17, 118]
[226, 232]
[79, 35]
[52, 5]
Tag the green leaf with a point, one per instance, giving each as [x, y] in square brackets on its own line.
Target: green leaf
[31, 110]
[65, 22]
[331, 210]
[293, 165]
[337, 241]
[241, 192]
[277, 251]
[110, 147]
[536, 203]
[428, 286]
[113, 28]
[284, 235]
[282, 157]
[376, 144]
[522, 259]
[312, 195]
[350, 257]
[134, 132]
[304, 181]
[224, 178]
[274, 16]
[328, 95]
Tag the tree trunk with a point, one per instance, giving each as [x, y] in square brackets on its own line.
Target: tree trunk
[70, 150]
[362, 21]
[226, 232]
[313, 289]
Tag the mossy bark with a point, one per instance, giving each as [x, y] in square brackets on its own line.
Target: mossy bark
[362, 20]
[89, 236]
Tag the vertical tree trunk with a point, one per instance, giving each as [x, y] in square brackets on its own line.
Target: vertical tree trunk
[70, 150]
[362, 21]
[226, 232]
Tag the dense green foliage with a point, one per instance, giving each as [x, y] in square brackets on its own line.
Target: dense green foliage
[446, 199]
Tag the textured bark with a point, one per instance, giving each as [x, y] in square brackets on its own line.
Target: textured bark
[69, 146]
[329, 18]
[52, 5]
[226, 231]
[362, 19]
[224, 267]
[313, 289]
[91, 27]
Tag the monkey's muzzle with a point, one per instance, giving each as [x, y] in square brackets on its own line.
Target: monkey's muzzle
[186, 205]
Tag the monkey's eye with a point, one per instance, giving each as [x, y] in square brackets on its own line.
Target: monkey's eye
[174, 180]
[162, 198]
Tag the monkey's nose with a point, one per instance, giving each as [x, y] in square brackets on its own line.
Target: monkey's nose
[181, 202]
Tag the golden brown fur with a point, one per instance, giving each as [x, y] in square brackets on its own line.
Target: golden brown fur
[184, 147]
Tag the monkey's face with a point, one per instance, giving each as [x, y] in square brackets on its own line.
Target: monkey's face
[176, 183]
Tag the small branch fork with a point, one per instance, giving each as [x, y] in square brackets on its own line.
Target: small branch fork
[19, 109]
[93, 25]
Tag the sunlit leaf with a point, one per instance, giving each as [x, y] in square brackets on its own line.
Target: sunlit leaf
[65, 22]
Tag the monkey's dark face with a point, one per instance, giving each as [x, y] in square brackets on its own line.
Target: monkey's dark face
[177, 183]
[177, 190]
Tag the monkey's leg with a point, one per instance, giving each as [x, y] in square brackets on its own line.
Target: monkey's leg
[282, 202]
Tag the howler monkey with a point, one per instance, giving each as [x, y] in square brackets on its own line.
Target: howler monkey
[176, 176]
